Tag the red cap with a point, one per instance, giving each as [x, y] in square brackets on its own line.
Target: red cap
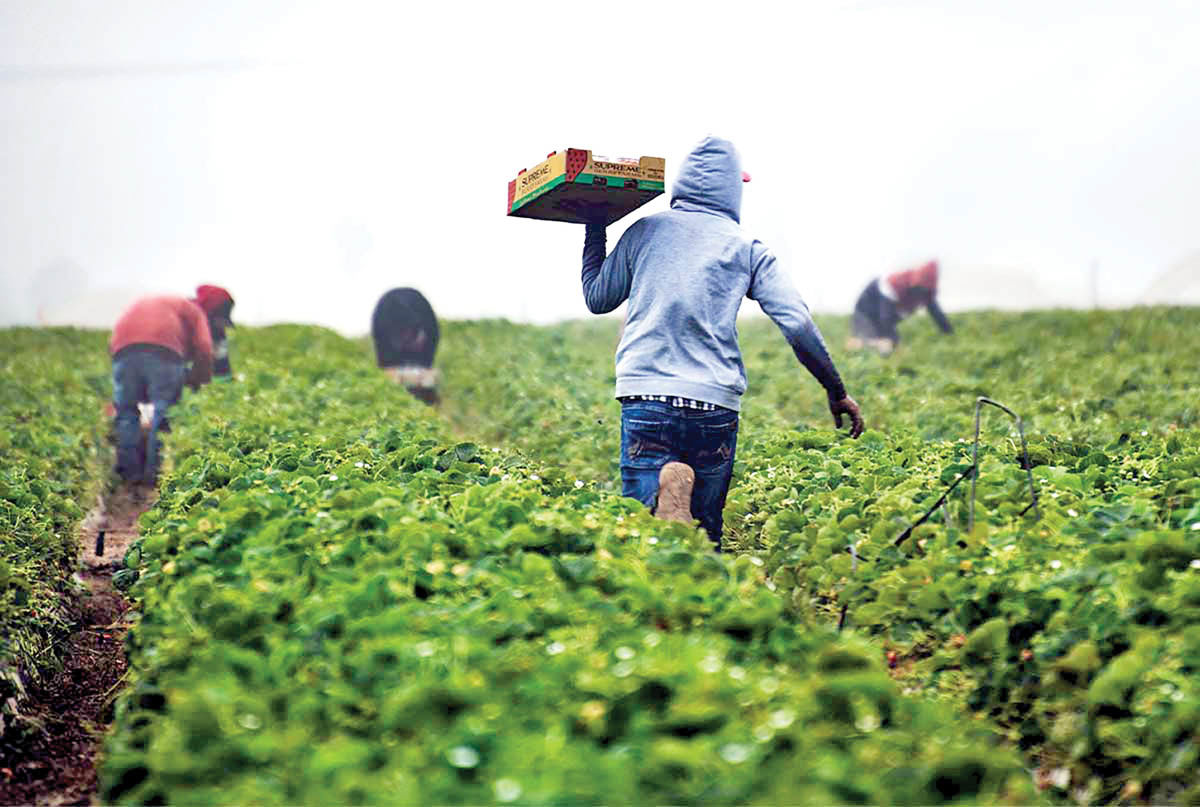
[212, 298]
[927, 276]
[745, 177]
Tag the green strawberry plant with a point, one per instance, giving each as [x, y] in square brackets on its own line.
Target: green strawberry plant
[53, 458]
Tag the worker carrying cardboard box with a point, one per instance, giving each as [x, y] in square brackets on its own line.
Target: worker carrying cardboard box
[680, 376]
[888, 300]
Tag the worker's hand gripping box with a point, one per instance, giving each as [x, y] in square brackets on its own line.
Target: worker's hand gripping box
[577, 186]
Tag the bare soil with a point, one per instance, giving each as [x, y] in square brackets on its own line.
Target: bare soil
[55, 760]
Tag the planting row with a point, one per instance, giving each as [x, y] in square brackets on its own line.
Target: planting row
[1078, 631]
[53, 455]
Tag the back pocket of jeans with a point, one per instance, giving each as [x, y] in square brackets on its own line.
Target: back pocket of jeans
[717, 442]
[643, 443]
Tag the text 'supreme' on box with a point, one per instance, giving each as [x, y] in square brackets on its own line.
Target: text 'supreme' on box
[574, 184]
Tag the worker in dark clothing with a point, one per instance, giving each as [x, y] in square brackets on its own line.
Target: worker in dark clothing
[152, 345]
[887, 300]
[217, 303]
[405, 331]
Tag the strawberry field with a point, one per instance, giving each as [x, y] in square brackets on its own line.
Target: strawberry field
[345, 596]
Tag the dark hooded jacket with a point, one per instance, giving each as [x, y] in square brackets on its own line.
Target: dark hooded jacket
[685, 272]
[404, 329]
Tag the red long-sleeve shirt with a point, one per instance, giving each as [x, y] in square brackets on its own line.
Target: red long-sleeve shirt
[175, 323]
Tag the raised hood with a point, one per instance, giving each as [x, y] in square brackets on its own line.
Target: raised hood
[710, 180]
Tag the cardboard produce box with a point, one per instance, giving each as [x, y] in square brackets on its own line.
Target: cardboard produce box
[565, 184]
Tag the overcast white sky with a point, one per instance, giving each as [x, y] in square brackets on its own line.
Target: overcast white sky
[311, 155]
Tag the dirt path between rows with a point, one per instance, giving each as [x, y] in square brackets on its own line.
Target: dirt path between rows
[56, 764]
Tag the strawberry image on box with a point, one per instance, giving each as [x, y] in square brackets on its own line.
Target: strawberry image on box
[574, 185]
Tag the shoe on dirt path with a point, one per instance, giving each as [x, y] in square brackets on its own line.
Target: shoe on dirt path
[675, 482]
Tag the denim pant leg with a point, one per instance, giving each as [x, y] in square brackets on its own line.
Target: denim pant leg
[711, 445]
[649, 432]
[164, 386]
[129, 387]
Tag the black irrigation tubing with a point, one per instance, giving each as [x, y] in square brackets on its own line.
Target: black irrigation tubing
[100, 532]
[904, 536]
[979, 402]
[972, 472]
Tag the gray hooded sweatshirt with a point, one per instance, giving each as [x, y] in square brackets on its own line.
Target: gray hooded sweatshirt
[685, 272]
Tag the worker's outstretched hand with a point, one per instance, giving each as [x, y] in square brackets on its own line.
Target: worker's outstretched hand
[847, 406]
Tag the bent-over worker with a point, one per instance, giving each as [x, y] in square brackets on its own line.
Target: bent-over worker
[888, 300]
[152, 343]
[405, 331]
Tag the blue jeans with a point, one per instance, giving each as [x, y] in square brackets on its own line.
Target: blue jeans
[143, 373]
[654, 433]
